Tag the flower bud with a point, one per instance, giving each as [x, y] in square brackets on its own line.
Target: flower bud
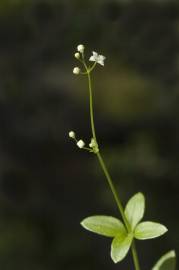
[80, 144]
[80, 48]
[77, 55]
[71, 134]
[76, 70]
[92, 143]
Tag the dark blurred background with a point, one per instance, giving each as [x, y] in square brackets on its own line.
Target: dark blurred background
[47, 186]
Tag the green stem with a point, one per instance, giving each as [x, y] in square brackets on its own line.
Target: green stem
[135, 255]
[106, 173]
[91, 106]
[120, 207]
[114, 192]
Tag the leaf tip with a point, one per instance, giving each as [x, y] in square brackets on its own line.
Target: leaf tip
[148, 230]
[172, 253]
[165, 230]
[114, 259]
[82, 223]
[114, 256]
[141, 195]
[167, 261]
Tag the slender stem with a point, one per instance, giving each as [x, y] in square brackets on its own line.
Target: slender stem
[120, 207]
[106, 173]
[135, 255]
[91, 107]
[114, 192]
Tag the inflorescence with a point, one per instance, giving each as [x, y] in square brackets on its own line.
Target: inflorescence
[97, 59]
[93, 146]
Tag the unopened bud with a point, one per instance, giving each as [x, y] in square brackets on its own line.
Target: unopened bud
[80, 144]
[92, 143]
[80, 48]
[71, 134]
[77, 55]
[76, 70]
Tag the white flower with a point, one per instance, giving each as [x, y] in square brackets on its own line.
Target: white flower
[98, 58]
[71, 134]
[80, 48]
[76, 70]
[77, 55]
[80, 144]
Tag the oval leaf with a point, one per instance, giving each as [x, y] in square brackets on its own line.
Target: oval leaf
[134, 210]
[148, 230]
[120, 247]
[104, 225]
[166, 262]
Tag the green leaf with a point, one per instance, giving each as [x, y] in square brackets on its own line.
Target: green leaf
[148, 230]
[134, 210]
[104, 225]
[166, 262]
[120, 247]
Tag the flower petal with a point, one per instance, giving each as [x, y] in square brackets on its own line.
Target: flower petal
[101, 59]
[92, 58]
[95, 54]
[101, 62]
